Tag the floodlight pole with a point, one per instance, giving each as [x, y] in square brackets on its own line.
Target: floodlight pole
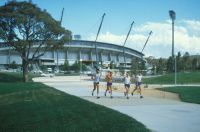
[172, 15]
[57, 49]
[124, 45]
[147, 40]
[97, 59]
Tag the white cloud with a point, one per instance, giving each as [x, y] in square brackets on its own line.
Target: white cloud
[108, 37]
[193, 24]
[187, 38]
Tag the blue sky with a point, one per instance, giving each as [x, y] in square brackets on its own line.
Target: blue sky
[83, 17]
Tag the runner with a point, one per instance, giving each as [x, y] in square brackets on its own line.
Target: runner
[127, 82]
[138, 82]
[109, 83]
[96, 79]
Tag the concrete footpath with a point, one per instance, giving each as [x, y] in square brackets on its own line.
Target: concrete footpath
[162, 115]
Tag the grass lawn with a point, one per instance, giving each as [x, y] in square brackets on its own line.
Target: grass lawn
[186, 93]
[36, 107]
[8, 77]
[182, 78]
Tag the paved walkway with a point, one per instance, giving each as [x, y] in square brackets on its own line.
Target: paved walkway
[162, 115]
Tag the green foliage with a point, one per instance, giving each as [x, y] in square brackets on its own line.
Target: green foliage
[23, 21]
[43, 67]
[142, 65]
[186, 61]
[161, 66]
[76, 66]
[170, 65]
[137, 65]
[84, 67]
[194, 64]
[183, 63]
[65, 66]
[186, 93]
[179, 65]
[112, 65]
[13, 65]
[24, 25]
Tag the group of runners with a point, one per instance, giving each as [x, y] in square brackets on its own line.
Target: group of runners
[127, 82]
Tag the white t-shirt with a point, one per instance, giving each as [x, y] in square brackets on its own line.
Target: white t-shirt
[97, 77]
[127, 80]
[139, 78]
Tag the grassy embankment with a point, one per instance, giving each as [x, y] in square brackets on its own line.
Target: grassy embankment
[187, 93]
[182, 78]
[36, 107]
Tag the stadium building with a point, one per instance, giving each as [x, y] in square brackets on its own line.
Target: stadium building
[77, 50]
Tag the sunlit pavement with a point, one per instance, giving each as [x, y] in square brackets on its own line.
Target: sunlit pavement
[162, 115]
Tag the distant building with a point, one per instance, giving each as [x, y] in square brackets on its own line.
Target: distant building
[77, 37]
[76, 50]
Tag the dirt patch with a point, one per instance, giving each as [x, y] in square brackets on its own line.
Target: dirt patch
[150, 91]
[161, 94]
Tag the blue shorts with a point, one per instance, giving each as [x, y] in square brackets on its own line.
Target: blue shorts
[109, 84]
[138, 83]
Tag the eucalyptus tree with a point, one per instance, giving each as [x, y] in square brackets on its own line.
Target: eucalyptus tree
[30, 31]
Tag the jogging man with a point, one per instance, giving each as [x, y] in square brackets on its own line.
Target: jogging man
[109, 83]
[96, 83]
[138, 82]
[127, 82]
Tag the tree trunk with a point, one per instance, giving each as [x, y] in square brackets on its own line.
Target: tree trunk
[25, 70]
